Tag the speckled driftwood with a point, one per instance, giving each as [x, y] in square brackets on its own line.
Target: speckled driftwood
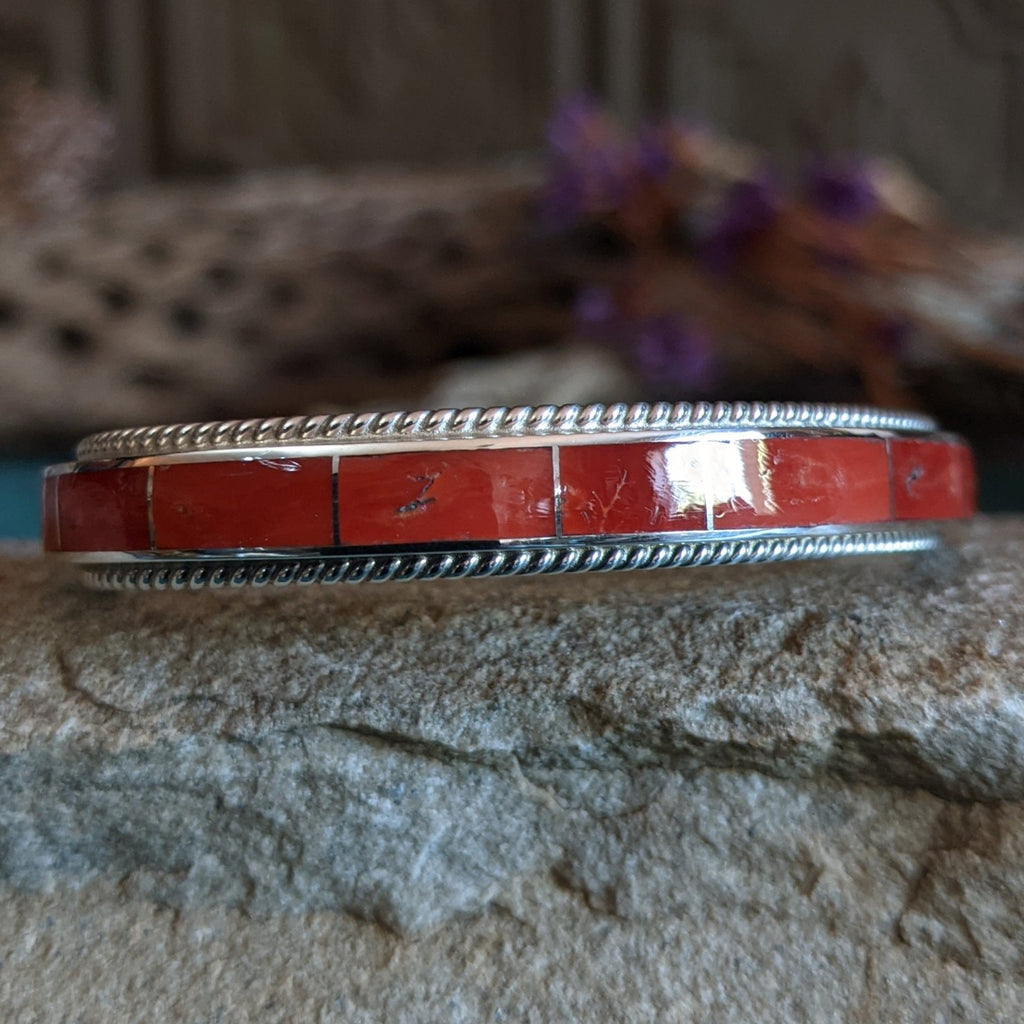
[789, 793]
[268, 295]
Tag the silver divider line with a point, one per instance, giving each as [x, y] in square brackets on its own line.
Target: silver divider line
[709, 501]
[149, 508]
[335, 526]
[556, 479]
[892, 481]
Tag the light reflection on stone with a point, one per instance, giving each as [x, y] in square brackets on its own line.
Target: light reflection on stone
[715, 473]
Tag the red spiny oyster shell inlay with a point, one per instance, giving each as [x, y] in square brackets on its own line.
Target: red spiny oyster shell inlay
[103, 509]
[932, 480]
[631, 488]
[276, 503]
[410, 498]
[799, 481]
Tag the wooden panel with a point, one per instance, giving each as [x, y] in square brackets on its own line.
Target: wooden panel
[302, 80]
[209, 84]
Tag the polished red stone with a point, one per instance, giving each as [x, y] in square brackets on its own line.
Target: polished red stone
[103, 509]
[800, 481]
[969, 481]
[932, 480]
[273, 503]
[639, 487]
[410, 498]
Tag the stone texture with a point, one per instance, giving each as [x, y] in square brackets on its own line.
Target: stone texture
[782, 793]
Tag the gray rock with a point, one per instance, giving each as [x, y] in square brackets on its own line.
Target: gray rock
[782, 793]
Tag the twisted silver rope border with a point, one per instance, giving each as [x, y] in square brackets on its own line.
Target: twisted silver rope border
[497, 422]
[183, 574]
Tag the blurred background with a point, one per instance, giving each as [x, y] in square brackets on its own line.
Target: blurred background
[211, 208]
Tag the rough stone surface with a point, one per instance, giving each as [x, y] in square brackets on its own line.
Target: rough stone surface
[787, 793]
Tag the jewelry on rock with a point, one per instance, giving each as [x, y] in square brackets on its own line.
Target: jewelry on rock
[500, 492]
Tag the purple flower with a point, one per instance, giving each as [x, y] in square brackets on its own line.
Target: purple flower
[671, 354]
[749, 207]
[597, 316]
[590, 168]
[575, 124]
[653, 157]
[840, 188]
[596, 183]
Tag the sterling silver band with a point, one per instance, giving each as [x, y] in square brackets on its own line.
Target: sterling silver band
[193, 571]
[498, 423]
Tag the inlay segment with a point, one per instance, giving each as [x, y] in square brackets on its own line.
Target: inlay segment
[271, 503]
[102, 508]
[800, 481]
[931, 480]
[631, 488]
[418, 497]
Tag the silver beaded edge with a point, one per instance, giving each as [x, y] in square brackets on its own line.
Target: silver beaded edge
[497, 422]
[527, 561]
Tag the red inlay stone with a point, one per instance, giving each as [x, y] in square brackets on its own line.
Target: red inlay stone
[932, 480]
[272, 503]
[51, 528]
[103, 510]
[630, 488]
[416, 497]
[969, 478]
[798, 481]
